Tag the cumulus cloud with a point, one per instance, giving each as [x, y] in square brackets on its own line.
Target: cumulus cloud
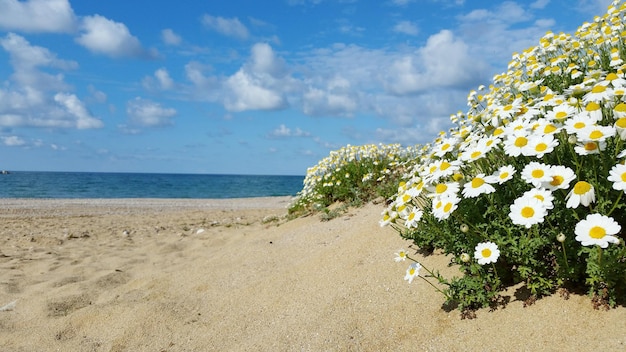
[54, 16]
[259, 84]
[230, 27]
[283, 131]
[13, 141]
[406, 27]
[103, 36]
[170, 38]
[147, 113]
[444, 61]
[161, 80]
[35, 97]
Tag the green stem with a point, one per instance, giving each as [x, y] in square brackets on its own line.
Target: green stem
[565, 256]
[615, 204]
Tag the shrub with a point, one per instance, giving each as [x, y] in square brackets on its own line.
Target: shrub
[353, 175]
[528, 185]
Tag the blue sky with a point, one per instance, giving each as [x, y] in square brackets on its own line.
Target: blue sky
[246, 86]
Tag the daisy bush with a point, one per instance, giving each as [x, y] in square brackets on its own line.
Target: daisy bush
[353, 174]
[528, 187]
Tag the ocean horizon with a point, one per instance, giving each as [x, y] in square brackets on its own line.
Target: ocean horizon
[56, 184]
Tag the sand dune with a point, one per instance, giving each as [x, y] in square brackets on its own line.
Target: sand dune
[234, 275]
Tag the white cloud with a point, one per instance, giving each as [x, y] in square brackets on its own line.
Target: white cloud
[283, 131]
[160, 81]
[54, 16]
[147, 113]
[539, 4]
[13, 141]
[103, 36]
[36, 98]
[170, 38]
[444, 61]
[259, 84]
[406, 27]
[230, 27]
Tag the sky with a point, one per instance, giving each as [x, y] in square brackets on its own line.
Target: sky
[246, 86]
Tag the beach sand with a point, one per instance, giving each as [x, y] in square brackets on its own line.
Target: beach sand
[235, 275]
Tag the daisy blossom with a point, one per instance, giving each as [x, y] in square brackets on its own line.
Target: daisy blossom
[486, 252]
[480, 184]
[582, 193]
[400, 256]
[544, 196]
[413, 218]
[596, 133]
[444, 206]
[589, 147]
[527, 211]
[617, 175]
[561, 177]
[540, 145]
[597, 229]
[505, 173]
[412, 272]
[536, 173]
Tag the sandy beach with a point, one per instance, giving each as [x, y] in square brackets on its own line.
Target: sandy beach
[236, 275]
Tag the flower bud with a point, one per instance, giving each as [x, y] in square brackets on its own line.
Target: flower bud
[560, 237]
[464, 228]
[572, 139]
[465, 257]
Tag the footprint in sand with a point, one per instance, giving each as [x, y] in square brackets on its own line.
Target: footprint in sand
[62, 306]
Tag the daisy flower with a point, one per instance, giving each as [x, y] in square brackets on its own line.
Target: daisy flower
[515, 143]
[412, 272]
[544, 196]
[617, 175]
[561, 177]
[486, 252]
[620, 127]
[597, 229]
[560, 113]
[480, 184]
[589, 147]
[445, 146]
[474, 152]
[443, 189]
[578, 123]
[599, 93]
[582, 193]
[504, 173]
[596, 133]
[527, 211]
[540, 145]
[400, 256]
[444, 206]
[536, 173]
[413, 218]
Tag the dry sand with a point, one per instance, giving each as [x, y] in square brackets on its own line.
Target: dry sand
[234, 275]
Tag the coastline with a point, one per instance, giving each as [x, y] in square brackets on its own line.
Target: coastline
[234, 275]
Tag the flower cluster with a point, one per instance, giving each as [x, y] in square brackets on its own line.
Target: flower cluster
[538, 155]
[354, 173]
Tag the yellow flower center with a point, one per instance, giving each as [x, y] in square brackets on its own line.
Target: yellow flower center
[412, 271]
[528, 212]
[486, 253]
[597, 232]
[411, 216]
[406, 198]
[560, 115]
[592, 106]
[579, 125]
[541, 147]
[504, 175]
[590, 146]
[521, 141]
[537, 173]
[611, 76]
[549, 128]
[441, 188]
[445, 165]
[475, 154]
[447, 207]
[598, 89]
[498, 131]
[445, 146]
[621, 107]
[581, 187]
[595, 134]
[477, 182]
[621, 122]
[624, 177]
[557, 180]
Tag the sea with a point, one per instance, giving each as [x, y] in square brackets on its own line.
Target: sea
[31, 184]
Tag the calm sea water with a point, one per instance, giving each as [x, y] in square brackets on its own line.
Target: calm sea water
[138, 185]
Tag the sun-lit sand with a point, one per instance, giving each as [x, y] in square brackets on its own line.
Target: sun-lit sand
[235, 275]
